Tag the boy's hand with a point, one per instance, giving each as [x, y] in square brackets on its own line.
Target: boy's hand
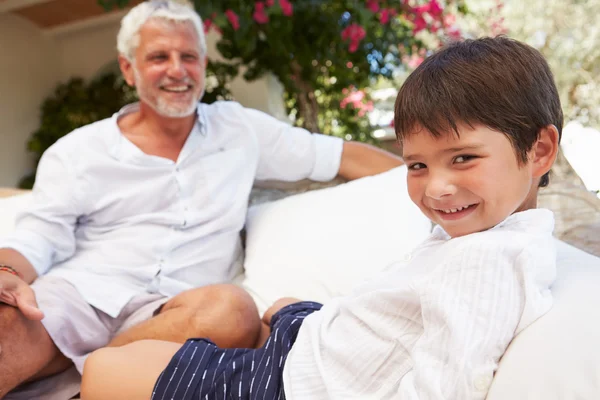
[17, 293]
[278, 305]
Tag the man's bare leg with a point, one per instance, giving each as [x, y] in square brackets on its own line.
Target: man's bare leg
[128, 373]
[225, 314]
[26, 351]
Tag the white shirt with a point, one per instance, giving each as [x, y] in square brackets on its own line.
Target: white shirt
[117, 222]
[434, 327]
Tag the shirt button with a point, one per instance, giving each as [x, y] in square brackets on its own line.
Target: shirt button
[407, 257]
[483, 383]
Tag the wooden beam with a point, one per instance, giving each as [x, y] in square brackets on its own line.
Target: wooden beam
[52, 14]
[94, 22]
[11, 5]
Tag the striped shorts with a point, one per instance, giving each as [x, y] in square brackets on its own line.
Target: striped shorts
[202, 371]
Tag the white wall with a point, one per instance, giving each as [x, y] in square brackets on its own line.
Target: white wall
[38, 60]
[28, 73]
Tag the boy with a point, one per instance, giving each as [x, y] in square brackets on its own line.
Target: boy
[479, 123]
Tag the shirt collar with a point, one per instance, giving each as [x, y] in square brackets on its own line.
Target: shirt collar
[123, 149]
[537, 220]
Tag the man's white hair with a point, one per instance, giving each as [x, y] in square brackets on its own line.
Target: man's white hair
[128, 38]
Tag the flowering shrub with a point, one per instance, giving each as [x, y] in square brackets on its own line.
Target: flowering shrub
[324, 51]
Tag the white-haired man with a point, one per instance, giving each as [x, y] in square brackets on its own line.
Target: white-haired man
[134, 229]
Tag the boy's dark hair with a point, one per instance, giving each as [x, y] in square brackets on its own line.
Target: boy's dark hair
[496, 82]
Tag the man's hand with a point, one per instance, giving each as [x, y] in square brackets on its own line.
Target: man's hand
[17, 293]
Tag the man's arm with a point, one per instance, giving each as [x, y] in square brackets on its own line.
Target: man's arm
[360, 160]
[19, 263]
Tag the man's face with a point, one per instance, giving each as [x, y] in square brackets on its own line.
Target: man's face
[469, 183]
[168, 69]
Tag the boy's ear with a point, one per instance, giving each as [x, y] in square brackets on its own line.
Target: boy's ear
[545, 150]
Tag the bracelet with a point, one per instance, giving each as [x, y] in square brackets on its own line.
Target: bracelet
[10, 270]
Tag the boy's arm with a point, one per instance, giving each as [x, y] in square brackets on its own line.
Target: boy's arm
[471, 309]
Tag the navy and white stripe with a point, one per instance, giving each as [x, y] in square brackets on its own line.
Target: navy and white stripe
[201, 370]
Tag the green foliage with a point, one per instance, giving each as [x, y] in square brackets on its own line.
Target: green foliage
[321, 52]
[305, 49]
[78, 103]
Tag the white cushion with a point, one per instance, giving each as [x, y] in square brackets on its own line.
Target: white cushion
[558, 357]
[321, 244]
[9, 208]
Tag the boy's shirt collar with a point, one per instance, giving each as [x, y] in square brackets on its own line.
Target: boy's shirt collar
[536, 220]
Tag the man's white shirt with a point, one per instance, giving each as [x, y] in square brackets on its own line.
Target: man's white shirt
[434, 326]
[116, 222]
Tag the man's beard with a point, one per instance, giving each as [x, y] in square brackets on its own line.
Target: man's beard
[161, 105]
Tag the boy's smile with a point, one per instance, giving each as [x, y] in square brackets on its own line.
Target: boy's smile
[467, 183]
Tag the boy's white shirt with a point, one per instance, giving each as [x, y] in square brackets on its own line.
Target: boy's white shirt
[434, 326]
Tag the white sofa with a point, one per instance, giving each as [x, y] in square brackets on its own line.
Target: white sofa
[319, 244]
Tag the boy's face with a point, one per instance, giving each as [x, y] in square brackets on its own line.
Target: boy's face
[469, 183]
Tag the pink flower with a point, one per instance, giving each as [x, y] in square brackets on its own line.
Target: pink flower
[207, 25]
[449, 20]
[386, 14]
[259, 15]
[270, 3]
[356, 98]
[233, 19]
[435, 10]
[355, 33]
[373, 5]
[454, 33]
[415, 60]
[419, 11]
[286, 7]
[420, 24]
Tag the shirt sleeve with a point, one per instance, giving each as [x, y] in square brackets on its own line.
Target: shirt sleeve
[289, 153]
[471, 308]
[44, 234]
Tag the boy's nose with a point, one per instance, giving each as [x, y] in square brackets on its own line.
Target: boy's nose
[439, 187]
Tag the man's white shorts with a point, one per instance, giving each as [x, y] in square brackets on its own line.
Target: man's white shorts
[76, 327]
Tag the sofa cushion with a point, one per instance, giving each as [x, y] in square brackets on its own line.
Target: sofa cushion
[558, 357]
[320, 244]
[9, 208]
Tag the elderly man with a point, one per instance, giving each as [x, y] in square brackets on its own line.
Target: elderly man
[134, 230]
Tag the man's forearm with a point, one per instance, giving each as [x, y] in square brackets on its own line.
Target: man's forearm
[19, 263]
[360, 160]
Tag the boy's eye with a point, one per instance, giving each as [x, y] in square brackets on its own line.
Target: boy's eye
[416, 166]
[463, 158]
